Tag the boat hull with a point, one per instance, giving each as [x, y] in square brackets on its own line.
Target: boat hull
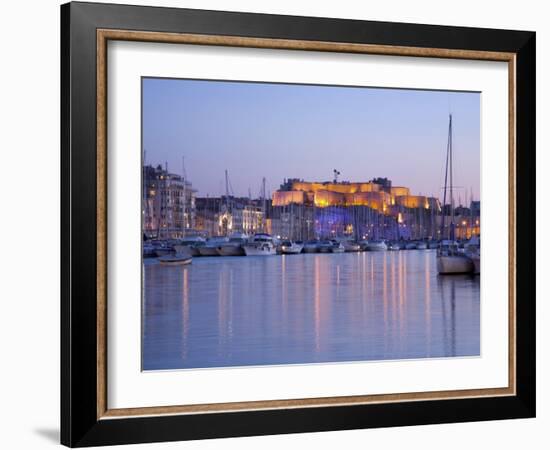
[175, 260]
[352, 247]
[208, 251]
[310, 249]
[182, 250]
[252, 250]
[291, 250]
[375, 247]
[454, 264]
[230, 250]
[194, 250]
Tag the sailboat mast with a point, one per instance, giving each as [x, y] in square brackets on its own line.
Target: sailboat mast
[226, 190]
[446, 175]
[451, 226]
[263, 205]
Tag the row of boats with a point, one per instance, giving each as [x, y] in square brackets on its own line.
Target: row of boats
[262, 244]
[265, 244]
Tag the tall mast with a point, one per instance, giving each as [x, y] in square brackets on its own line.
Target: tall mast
[446, 175]
[471, 212]
[451, 225]
[226, 190]
[263, 204]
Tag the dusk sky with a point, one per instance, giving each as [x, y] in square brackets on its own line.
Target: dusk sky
[294, 131]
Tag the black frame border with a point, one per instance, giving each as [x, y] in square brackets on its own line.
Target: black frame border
[79, 423]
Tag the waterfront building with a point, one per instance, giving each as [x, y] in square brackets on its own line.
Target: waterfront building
[168, 204]
[373, 209]
[302, 210]
[207, 215]
[221, 216]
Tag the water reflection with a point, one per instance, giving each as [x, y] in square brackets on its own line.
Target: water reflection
[236, 311]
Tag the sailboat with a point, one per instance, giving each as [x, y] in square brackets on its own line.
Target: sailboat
[449, 259]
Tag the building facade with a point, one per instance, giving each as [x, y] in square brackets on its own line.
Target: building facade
[222, 216]
[168, 204]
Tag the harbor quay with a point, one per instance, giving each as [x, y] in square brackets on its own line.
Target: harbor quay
[302, 211]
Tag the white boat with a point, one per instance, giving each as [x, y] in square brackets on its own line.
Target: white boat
[210, 248]
[375, 246]
[177, 259]
[394, 246]
[337, 247]
[311, 247]
[261, 245]
[450, 260]
[291, 248]
[192, 244]
[410, 246]
[421, 245]
[351, 246]
[234, 246]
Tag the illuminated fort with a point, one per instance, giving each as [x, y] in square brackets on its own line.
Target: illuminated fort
[362, 210]
[377, 194]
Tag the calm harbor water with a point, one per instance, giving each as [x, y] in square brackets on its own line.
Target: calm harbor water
[308, 308]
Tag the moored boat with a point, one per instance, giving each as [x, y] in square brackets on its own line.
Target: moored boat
[450, 258]
[177, 259]
[337, 247]
[210, 248]
[421, 245]
[192, 244]
[451, 261]
[375, 246]
[233, 247]
[291, 248]
[394, 246]
[180, 258]
[261, 245]
[351, 246]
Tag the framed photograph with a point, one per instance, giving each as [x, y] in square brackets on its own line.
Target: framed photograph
[273, 224]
